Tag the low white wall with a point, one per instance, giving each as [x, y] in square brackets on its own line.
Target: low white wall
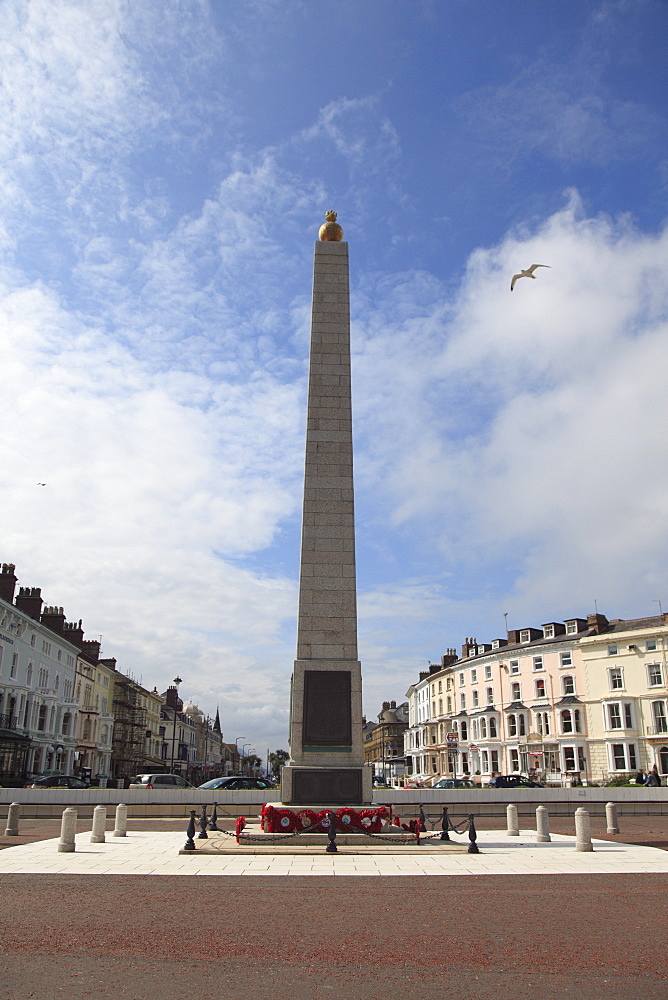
[44, 802]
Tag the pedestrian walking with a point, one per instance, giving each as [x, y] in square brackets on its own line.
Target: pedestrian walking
[653, 779]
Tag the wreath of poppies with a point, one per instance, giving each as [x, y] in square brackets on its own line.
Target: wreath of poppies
[240, 824]
[345, 819]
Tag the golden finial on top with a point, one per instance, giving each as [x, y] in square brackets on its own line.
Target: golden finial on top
[330, 231]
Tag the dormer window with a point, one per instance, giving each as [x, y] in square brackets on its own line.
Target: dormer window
[548, 631]
[525, 635]
[571, 628]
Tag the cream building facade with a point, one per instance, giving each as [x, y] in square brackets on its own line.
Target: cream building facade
[582, 699]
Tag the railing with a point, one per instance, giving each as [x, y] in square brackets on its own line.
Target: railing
[7, 721]
[660, 730]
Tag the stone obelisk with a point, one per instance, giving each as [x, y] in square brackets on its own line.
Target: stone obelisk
[326, 757]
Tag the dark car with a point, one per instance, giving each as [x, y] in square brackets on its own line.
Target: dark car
[58, 781]
[514, 781]
[455, 783]
[232, 782]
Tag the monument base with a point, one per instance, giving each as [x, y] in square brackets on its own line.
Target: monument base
[326, 786]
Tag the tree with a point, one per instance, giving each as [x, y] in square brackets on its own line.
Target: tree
[276, 761]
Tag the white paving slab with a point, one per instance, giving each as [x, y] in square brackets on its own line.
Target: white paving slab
[146, 853]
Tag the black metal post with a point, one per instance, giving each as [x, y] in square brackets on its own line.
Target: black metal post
[190, 842]
[445, 824]
[473, 836]
[213, 822]
[203, 823]
[423, 819]
[331, 836]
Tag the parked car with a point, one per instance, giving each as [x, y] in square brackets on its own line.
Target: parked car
[232, 782]
[58, 781]
[159, 781]
[514, 781]
[455, 783]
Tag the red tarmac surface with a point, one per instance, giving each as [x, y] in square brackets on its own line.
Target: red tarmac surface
[476, 937]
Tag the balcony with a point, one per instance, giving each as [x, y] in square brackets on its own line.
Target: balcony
[7, 721]
[660, 730]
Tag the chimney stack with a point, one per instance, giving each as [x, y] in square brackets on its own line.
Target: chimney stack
[54, 619]
[30, 601]
[90, 650]
[73, 632]
[7, 582]
[597, 623]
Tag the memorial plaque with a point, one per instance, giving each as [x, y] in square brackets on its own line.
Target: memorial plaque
[327, 786]
[327, 716]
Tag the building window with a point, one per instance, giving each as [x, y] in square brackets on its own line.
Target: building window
[521, 726]
[488, 672]
[538, 662]
[659, 716]
[614, 717]
[622, 757]
[612, 649]
[616, 678]
[474, 696]
[569, 758]
[492, 728]
[461, 680]
[654, 674]
[543, 723]
[474, 676]
[462, 702]
[41, 719]
[12, 669]
[571, 628]
[515, 691]
[565, 659]
[514, 666]
[525, 635]
[566, 721]
[463, 730]
[650, 645]
[512, 725]
[483, 729]
[449, 704]
[540, 688]
[514, 760]
[628, 718]
[548, 631]
[490, 696]
[567, 684]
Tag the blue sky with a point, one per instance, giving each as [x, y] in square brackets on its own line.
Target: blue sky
[164, 170]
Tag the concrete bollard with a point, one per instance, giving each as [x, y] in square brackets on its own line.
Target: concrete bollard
[582, 831]
[121, 825]
[99, 825]
[612, 824]
[513, 825]
[13, 813]
[68, 830]
[542, 826]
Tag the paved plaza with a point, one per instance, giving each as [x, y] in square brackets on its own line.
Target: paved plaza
[516, 921]
[155, 853]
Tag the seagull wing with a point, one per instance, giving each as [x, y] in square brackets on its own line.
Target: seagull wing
[515, 277]
[534, 266]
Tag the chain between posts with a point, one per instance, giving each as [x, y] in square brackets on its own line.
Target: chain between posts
[447, 826]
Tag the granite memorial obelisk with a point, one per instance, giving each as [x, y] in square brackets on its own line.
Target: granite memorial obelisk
[326, 764]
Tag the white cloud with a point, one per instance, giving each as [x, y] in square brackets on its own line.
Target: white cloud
[528, 426]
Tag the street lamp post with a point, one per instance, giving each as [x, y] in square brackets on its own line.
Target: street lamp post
[242, 751]
[177, 681]
[236, 744]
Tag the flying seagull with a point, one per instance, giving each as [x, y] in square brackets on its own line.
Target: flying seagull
[526, 274]
[41, 484]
